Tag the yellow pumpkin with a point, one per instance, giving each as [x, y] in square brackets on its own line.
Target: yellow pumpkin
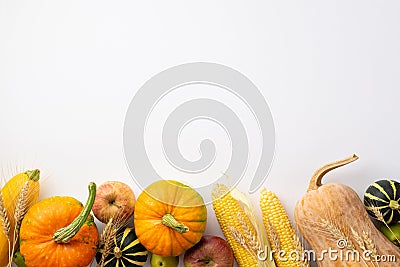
[10, 194]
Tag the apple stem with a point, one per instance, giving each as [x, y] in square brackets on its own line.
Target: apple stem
[169, 220]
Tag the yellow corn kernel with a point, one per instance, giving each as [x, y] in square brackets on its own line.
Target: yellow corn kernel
[226, 210]
[280, 231]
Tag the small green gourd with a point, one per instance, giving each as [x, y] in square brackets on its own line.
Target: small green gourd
[126, 251]
[382, 198]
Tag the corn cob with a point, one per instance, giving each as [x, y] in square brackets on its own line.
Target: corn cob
[281, 234]
[239, 227]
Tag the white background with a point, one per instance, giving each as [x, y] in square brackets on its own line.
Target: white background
[329, 70]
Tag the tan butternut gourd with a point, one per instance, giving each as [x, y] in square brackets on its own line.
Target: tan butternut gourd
[332, 219]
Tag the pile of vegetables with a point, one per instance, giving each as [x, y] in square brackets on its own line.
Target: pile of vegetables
[336, 213]
[168, 219]
[329, 217]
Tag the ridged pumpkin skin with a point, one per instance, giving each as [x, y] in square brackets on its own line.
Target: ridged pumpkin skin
[342, 206]
[11, 192]
[183, 203]
[43, 220]
[384, 195]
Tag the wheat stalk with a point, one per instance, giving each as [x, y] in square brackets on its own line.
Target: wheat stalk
[20, 210]
[109, 234]
[369, 243]
[298, 244]
[254, 231]
[251, 239]
[365, 243]
[274, 237]
[238, 237]
[5, 223]
[358, 239]
[241, 239]
[300, 249]
[336, 233]
[371, 247]
[21, 207]
[104, 234]
[106, 239]
[379, 216]
[303, 262]
[331, 229]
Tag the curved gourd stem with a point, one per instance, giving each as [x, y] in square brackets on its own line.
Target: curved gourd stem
[65, 234]
[315, 181]
[33, 175]
[170, 221]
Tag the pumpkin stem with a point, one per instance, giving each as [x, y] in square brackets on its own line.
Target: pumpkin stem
[394, 205]
[169, 220]
[117, 252]
[315, 181]
[34, 175]
[65, 234]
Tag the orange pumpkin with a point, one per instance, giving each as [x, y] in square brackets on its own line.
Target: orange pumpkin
[169, 218]
[59, 231]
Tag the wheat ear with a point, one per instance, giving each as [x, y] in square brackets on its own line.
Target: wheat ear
[241, 239]
[300, 249]
[379, 216]
[369, 243]
[106, 238]
[274, 238]
[21, 207]
[109, 234]
[5, 223]
[359, 240]
[251, 238]
[256, 235]
[20, 210]
[336, 233]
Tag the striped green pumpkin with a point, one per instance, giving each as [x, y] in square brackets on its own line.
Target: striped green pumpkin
[382, 198]
[127, 251]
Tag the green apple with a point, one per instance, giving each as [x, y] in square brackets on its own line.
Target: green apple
[392, 232]
[159, 261]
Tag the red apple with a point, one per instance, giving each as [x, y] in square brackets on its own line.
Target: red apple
[211, 251]
[114, 199]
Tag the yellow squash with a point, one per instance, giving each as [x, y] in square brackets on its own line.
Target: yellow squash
[10, 193]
